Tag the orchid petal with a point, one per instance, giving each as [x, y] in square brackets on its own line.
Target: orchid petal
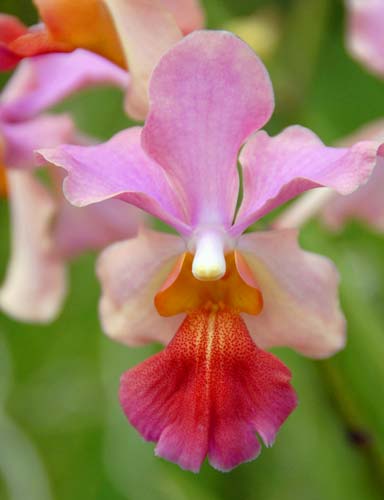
[188, 14]
[96, 226]
[366, 204]
[208, 393]
[365, 32]
[43, 81]
[301, 308]
[21, 139]
[278, 168]
[35, 283]
[207, 94]
[118, 168]
[131, 272]
[85, 24]
[143, 47]
[10, 28]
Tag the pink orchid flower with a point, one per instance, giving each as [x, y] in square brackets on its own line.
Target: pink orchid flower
[46, 229]
[365, 33]
[115, 29]
[227, 296]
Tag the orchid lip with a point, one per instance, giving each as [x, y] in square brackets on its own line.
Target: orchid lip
[209, 246]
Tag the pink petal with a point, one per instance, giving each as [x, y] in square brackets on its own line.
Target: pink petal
[142, 46]
[366, 204]
[300, 293]
[35, 283]
[365, 32]
[21, 139]
[208, 393]
[78, 230]
[278, 168]
[10, 29]
[131, 273]
[42, 81]
[188, 14]
[120, 169]
[207, 94]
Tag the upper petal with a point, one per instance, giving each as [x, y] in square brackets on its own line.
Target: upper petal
[278, 168]
[147, 30]
[118, 168]
[207, 94]
[131, 273]
[35, 283]
[43, 81]
[300, 294]
[21, 139]
[365, 32]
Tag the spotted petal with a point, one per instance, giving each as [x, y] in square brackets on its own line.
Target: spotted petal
[300, 294]
[208, 393]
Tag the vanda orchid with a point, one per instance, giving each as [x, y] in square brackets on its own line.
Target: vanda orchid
[46, 229]
[216, 297]
[131, 33]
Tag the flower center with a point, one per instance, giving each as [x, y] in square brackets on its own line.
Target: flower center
[236, 290]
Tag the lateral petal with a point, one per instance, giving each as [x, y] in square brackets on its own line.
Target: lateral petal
[131, 272]
[278, 168]
[300, 295]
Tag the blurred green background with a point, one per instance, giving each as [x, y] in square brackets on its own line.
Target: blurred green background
[62, 434]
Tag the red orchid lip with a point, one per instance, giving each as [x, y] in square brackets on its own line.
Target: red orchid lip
[208, 394]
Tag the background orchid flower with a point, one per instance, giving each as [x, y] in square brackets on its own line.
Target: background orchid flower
[130, 33]
[365, 33]
[46, 230]
[366, 204]
[214, 386]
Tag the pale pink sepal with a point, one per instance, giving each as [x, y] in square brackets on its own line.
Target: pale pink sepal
[22, 138]
[300, 294]
[189, 14]
[131, 273]
[35, 283]
[365, 33]
[366, 204]
[147, 30]
[207, 95]
[118, 168]
[78, 230]
[43, 81]
[279, 168]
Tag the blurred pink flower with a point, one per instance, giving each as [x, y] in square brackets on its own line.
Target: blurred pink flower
[46, 230]
[365, 33]
[131, 33]
[212, 388]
